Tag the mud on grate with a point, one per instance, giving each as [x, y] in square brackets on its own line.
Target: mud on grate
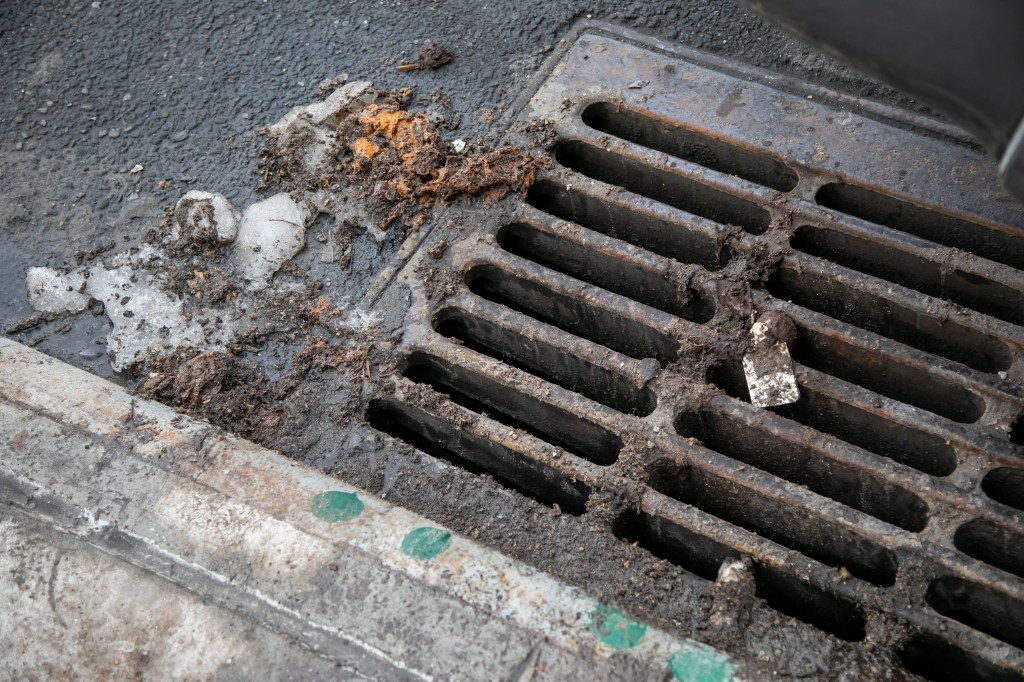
[609, 309]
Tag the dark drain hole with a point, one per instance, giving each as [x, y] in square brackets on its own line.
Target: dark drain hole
[668, 188]
[545, 361]
[687, 144]
[1005, 485]
[437, 438]
[933, 658]
[571, 314]
[899, 214]
[802, 465]
[790, 527]
[873, 432]
[833, 355]
[518, 410]
[702, 556]
[992, 543]
[994, 613]
[838, 299]
[604, 270]
[928, 277]
[625, 222]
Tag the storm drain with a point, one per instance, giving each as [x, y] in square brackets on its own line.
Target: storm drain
[605, 320]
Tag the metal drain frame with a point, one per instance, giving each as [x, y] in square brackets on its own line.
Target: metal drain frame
[904, 564]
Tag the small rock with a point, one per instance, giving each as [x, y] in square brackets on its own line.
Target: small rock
[458, 146]
[179, 136]
[137, 168]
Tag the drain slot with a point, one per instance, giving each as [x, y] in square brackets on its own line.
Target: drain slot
[830, 544]
[716, 154]
[604, 270]
[447, 442]
[1005, 485]
[828, 295]
[515, 409]
[933, 658]
[873, 432]
[703, 556]
[802, 465]
[992, 543]
[868, 430]
[572, 314]
[876, 372]
[899, 214]
[621, 221]
[994, 613]
[546, 361]
[668, 188]
[920, 274]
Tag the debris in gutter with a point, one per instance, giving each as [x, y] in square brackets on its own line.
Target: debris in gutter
[768, 366]
[432, 56]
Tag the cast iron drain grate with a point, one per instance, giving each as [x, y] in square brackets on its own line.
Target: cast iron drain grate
[594, 342]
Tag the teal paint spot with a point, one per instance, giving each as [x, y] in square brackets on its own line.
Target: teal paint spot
[334, 506]
[700, 664]
[614, 629]
[426, 543]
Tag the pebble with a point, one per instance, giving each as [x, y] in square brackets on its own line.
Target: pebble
[90, 354]
[114, 132]
[137, 168]
[179, 136]
[458, 146]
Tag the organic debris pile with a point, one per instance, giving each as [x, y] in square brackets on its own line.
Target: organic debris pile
[398, 159]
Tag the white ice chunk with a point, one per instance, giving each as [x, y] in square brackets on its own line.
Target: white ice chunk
[147, 320]
[53, 291]
[326, 111]
[205, 216]
[271, 233]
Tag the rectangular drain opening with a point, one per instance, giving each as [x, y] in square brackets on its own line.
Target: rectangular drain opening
[988, 241]
[625, 222]
[1005, 485]
[703, 556]
[449, 443]
[914, 272]
[572, 314]
[663, 186]
[607, 271]
[997, 614]
[992, 543]
[545, 361]
[831, 354]
[936, 659]
[840, 300]
[515, 409]
[846, 484]
[868, 430]
[830, 544]
[689, 145]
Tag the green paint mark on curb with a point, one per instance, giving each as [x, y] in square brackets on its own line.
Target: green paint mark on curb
[700, 664]
[426, 543]
[334, 506]
[614, 629]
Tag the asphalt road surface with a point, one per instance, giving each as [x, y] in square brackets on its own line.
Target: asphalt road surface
[177, 90]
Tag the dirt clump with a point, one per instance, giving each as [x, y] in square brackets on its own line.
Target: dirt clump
[432, 56]
[220, 388]
[398, 159]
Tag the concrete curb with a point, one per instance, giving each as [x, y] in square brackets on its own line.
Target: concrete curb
[380, 590]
